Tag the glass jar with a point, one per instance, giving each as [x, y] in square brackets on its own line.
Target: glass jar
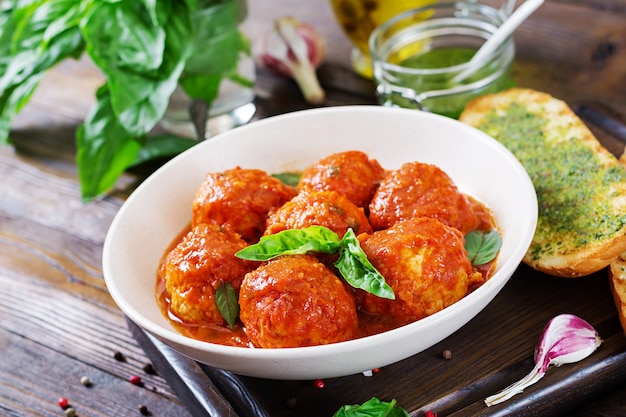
[219, 75]
[358, 18]
[417, 54]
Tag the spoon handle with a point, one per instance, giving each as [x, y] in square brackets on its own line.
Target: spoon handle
[499, 36]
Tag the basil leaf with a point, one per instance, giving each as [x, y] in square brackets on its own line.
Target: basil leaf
[353, 264]
[227, 303]
[372, 408]
[34, 36]
[204, 87]
[217, 41]
[142, 62]
[288, 178]
[482, 247]
[104, 148]
[292, 242]
[358, 271]
[160, 146]
[11, 102]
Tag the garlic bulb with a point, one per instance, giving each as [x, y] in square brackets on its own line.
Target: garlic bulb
[565, 339]
[294, 49]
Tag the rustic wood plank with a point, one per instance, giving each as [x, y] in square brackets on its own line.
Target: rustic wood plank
[28, 391]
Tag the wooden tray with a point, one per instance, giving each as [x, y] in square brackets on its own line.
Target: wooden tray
[490, 352]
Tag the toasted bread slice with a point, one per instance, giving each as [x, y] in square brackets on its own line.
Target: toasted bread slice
[581, 187]
[617, 273]
[617, 276]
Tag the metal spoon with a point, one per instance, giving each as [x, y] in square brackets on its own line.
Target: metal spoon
[500, 35]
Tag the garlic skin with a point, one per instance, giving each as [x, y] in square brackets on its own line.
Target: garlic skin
[294, 49]
[565, 339]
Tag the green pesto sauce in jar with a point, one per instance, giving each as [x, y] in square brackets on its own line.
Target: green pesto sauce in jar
[449, 102]
[565, 174]
[439, 58]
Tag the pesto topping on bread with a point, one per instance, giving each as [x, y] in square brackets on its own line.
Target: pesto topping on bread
[575, 189]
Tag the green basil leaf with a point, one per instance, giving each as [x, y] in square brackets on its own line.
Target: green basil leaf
[482, 247]
[227, 303]
[34, 36]
[353, 264]
[372, 408]
[217, 41]
[161, 146]
[217, 46]
[288, 178]
[28, 37]
[122, 35]
[104, 148]
[204, 87]
[11, 102]
[292, 242]
[141, 77]
[358, 271]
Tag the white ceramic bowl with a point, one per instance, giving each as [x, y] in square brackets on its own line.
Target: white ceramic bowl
[161, 207]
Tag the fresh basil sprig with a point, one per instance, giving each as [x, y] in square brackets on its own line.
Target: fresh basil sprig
[145, 48]
[372, 408]
[353, 264]
[482, 247]
[358, 271]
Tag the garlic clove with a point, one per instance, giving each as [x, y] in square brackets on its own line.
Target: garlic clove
[294, 49]
[565, 339]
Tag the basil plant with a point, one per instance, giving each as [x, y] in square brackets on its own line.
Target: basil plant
[145, 49]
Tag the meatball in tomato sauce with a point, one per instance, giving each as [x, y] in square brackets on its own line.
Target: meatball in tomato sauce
[295, 301]
[320, 208]
[351, 173]
[425, 263]
[421, 190]
[196, 266]
[239, 200]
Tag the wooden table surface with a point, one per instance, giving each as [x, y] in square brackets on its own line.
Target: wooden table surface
[57, 320]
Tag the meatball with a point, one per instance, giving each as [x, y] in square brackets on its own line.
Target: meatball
[295, 301]
[350, 173]
[239, 200]
[425, 263]
[195, 267]
[421, 190]
[322, 208]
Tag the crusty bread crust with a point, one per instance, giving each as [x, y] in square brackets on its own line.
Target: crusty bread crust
[561, 125]
[617, 274]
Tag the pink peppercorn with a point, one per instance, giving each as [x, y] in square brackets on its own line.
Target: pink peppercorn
[135, 380]
[63, 402]
[319, 383]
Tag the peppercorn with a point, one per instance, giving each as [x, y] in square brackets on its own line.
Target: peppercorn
[70, 412]
[447, 354]
[119, 356]
[135, 380]
[63, 402]
[319, 383]
[144, 410]
[85, 381]
[149, 369]
[291, 402]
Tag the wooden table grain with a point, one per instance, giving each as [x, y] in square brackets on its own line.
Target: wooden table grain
[57, 321]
